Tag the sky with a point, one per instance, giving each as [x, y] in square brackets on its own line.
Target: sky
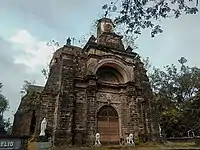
[26, 27]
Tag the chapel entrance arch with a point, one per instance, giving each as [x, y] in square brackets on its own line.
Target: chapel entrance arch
[108, 125]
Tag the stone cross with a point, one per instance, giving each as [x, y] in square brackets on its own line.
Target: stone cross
[97, 139]
[43, 127]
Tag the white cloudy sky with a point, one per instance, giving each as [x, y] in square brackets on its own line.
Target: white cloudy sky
[26, 26]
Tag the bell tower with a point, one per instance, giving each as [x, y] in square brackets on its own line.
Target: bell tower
[104, 25]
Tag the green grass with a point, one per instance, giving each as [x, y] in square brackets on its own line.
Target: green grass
[180, 144]
[143, 146]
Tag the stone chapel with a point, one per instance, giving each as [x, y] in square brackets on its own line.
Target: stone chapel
[101, 87]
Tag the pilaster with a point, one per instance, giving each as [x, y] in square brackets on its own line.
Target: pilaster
[92, 110]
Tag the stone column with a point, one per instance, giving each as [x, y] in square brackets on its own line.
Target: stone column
[124, 115]
[133, 118]
[150, 122]
[64, 111]
[92, 110]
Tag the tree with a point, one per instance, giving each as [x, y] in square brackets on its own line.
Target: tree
[4, 124]
[177, 95]
[26, 86]
[45, 72]
[142, 14]
[147, 63]
[54, 45]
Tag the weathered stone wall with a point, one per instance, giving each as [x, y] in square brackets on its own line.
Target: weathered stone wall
[70, 69]
[21, 128]
[149, 120]
[80, 119]
[91, 109]
[65, 129]
[49, 96]
[136, 101]
[28, 105]
[73, 94]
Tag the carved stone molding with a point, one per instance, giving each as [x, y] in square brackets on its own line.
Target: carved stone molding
[139, 100]
[105, 97]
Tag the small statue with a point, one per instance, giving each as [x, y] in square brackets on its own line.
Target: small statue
[97, 139]
[129, 140]
[92, 39]
[43, 127]
[160, 130]
[68, 41]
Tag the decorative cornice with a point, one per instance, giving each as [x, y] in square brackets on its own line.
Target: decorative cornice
[108, 49]
[108, 56]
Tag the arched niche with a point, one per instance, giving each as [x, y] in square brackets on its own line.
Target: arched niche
[109, 74]
[117, 74]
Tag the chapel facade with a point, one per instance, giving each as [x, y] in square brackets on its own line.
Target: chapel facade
[100, 88]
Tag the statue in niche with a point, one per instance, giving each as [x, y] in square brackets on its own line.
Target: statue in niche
[97, 139]
[43, 127]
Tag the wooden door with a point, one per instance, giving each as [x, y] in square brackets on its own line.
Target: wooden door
[108, 125]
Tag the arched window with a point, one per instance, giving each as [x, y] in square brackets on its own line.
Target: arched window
[107, 111]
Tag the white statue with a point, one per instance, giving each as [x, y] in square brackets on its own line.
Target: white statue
[129, 140]
[43, 127]
[160, 130]
[97, 139]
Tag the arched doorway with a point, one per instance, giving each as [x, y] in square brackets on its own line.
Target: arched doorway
[108, 125]
[33, 123]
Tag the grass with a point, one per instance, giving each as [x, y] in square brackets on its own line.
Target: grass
[147, 146]
[180, 144]
[144, 146]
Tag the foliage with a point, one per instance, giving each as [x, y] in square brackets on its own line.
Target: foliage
[45, 72]
[53, 44]
[177, 95]
[143, 14]
[3, 103]
[26, 86]
[128, 39]
[147, 63]
[4, 124]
